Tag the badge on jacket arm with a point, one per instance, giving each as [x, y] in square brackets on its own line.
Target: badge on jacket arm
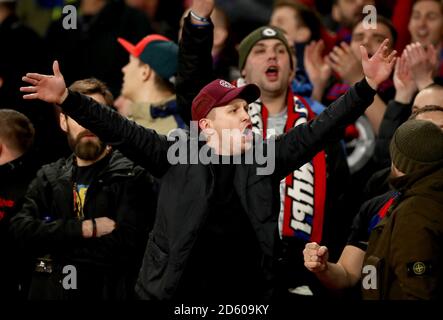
[419, 268]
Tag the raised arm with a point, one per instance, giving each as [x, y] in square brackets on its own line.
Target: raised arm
[194, 59]
[397, 112]
[108, 125]
[318, 70]
[303, 142]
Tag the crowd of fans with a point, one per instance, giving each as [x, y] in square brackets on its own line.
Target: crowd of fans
[79, 192]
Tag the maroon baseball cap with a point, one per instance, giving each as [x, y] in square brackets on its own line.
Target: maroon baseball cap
[220, 93]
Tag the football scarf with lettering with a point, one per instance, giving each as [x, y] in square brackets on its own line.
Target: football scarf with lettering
[303, 193]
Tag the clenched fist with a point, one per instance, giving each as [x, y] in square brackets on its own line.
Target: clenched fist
[316, 257]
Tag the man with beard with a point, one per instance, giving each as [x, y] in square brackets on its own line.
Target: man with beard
[83, 218]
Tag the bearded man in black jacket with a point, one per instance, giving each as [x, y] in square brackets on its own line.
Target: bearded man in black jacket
[86, 219]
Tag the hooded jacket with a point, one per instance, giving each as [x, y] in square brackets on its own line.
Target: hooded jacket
[406, 248]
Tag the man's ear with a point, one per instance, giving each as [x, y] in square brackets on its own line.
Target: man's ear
[146, 72]
[204, 124]
[63, 122]
[206, 127]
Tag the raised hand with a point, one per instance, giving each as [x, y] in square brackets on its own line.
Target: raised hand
[404, 83]
[422, 63]
[316, 257]
[379, 67]
[316, 67]
[202, 8]
[344, 62]
[318, 70]
[48, 88]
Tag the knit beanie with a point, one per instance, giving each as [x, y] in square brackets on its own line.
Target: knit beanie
[262, 33]
[416, 144]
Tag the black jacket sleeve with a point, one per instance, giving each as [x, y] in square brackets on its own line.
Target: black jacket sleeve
[150, 147]
[34, 233]
[194, 64]
[396, 113]
[303, 142]
[134, 217]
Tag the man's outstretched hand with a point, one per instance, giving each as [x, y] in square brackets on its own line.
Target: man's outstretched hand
[51, 89]
[379, 67]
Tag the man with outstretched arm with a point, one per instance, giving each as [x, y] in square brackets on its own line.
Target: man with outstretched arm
[215, 232]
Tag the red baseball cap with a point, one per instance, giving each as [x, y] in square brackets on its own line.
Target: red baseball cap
[220, 93]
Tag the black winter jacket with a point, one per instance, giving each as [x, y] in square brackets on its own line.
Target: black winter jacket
[186, 188]
[15, 177]
[46, 224]
[194, 72]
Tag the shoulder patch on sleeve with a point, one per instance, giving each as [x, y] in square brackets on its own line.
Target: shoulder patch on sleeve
[419, 268]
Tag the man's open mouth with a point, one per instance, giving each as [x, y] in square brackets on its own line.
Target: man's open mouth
[247, 132]
[272, 72]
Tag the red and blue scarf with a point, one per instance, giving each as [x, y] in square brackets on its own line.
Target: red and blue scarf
[302, 193]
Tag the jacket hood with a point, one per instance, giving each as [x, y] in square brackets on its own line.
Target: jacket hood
[427, 183]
